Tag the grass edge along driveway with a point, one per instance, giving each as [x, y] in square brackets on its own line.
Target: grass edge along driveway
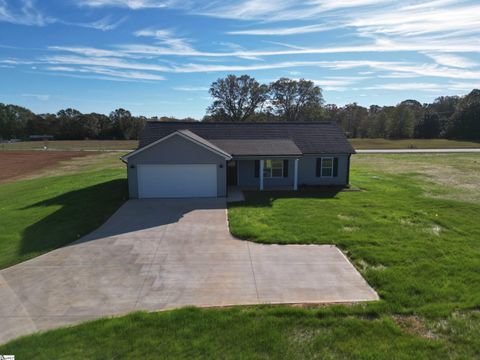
[39, 215]
[253, 332]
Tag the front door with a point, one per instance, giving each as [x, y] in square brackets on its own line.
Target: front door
[232, 172]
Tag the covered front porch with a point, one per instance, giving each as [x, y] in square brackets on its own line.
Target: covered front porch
[262, 163]
[263, 173]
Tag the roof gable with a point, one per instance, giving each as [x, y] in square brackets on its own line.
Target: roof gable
[186, 134]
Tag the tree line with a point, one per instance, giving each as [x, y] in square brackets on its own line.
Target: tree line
[17, 122]
[242, 98]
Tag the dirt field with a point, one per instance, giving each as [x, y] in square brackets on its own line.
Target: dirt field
[19, 164]
[73, 145]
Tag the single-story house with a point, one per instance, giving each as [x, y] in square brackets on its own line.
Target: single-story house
[202, 159]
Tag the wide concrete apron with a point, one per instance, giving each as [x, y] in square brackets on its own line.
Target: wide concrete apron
[158, 254]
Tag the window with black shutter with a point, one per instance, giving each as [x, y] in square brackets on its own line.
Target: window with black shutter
[318, 167]
[335, 167]
[326, 167]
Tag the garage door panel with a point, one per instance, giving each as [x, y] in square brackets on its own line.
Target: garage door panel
[179, 180]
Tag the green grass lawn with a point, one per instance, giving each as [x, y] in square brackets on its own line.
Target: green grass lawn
[413, 144]
[41, 214]
[236, 333]
[102, 145]
[412, 230]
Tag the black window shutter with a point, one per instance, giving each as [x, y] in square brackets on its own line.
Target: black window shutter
[335, 167]
[257, 168]
[318, 167]
[285, 168]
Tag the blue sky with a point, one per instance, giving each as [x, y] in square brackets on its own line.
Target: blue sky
[158, 57]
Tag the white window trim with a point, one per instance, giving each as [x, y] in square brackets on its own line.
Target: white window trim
[270, 176]
[321, 167]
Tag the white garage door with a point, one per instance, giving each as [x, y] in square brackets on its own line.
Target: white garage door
[174, 181]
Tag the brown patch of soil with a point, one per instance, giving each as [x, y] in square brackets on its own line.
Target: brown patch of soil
[19, 164]
[413, 325]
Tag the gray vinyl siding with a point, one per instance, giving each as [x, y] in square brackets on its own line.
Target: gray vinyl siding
[176, 150]
[306, 173]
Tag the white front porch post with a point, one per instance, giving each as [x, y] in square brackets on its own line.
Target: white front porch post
[261, 175]
[295, 175]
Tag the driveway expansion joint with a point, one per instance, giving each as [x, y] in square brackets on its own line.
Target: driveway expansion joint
[253, 271]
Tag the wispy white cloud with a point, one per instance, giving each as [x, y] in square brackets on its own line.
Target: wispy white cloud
[389, 68]
[104, 62]
[380, 46]
[428, 87]
[104, 24]
[416, 86]
[125, 74]
[132, 4]
[109, 73]
[167, 38]
[13, 62]
[453, 60]
[108, 62]
[191, 88]
[338, 83]
[463, 86]
[280, 10]
[89, 51]
[25, 13]
[398, 75]
[282, 31]
[404, 21]
[88, 75]
[42, 97]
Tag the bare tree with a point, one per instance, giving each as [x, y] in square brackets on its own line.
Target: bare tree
[236, 98]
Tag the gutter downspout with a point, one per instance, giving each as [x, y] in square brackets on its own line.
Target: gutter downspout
[348, 170]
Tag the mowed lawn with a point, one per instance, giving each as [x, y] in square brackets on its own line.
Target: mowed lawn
[413, 144]
[59, 206]
[409, 224]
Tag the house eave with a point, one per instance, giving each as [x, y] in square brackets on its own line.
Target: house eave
[259, 157]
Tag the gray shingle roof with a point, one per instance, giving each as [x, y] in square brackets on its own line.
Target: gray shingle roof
[274, 147]
[309, 138]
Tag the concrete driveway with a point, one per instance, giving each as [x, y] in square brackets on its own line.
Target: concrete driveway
[163, 254]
